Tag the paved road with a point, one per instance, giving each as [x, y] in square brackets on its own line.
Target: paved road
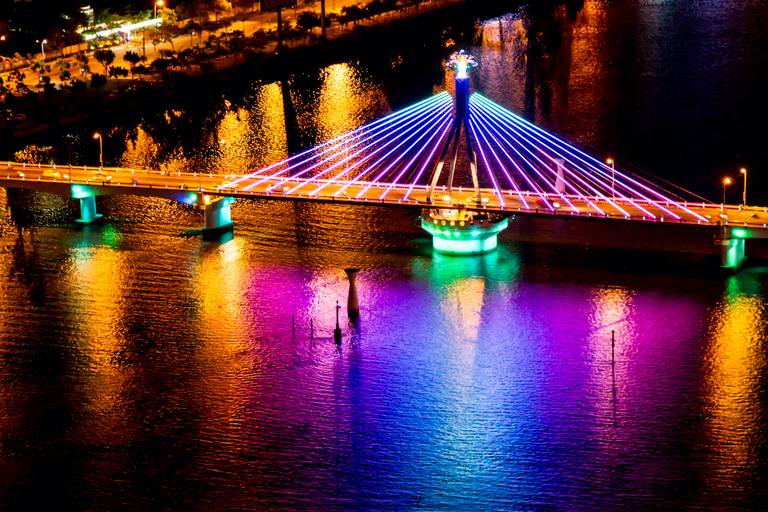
[144, 182]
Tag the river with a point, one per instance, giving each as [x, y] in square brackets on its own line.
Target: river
[142, 368]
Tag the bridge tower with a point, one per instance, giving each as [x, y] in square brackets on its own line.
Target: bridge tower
[460, 227]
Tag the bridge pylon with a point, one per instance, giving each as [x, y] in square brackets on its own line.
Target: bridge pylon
[457, 229]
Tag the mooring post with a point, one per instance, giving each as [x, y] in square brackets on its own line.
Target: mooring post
[337, 331]
[311, 329]
[293, 323]
[353, 305]
[613, 344]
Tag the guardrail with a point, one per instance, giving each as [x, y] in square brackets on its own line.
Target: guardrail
[236, 191]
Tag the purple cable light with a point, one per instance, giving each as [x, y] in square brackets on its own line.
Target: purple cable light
[442, 119]
[407, 166]
[565, 158]
[485, 160]
[544, 179]
[601, 169]
[410, 132]
[565, 181]
[401, 125]
[400, 117]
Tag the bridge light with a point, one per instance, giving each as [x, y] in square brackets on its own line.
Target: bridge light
[447, 198]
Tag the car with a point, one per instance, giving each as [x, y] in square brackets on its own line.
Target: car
[50, 173]
[100, 176]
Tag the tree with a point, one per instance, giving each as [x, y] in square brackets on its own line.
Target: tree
[308, 20]
[217, 7]
[41, 67]
[62, 65]
[208, 26]
[118, 72]
[190, 28]
[98, 80]
[168, 28]
[106, 58]
[36, 155]
[132, 59]
[353, 13]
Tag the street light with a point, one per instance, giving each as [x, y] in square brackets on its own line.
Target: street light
[97, 135]
[160, 3]
[726, 182]
[42, 47]
[744, 198]
[613, 177]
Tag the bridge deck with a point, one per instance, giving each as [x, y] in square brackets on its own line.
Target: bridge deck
[144, 182]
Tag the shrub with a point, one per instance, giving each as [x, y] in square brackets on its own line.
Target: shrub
[98, 80]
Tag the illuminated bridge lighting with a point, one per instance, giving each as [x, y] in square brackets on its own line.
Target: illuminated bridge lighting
[519, 166]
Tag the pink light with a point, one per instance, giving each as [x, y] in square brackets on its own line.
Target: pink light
[601, 169]
[543, 177]
[631, 200]
[400, 157]
[487, 166]
[377, 162]
[574, 175]
[426, 162]
[407, 122]
[498, 160]
[388, 119]
[415, 157]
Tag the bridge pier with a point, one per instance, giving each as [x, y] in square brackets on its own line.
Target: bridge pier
[216, 211]
[88, 210]
[463, 232]
[732, 243]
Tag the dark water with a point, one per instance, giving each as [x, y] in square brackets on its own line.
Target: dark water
[142, 368]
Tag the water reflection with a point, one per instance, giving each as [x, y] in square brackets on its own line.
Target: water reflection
[735, 372]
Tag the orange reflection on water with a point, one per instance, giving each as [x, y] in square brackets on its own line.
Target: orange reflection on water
[96, 280]
[235, 142]
[735, 365]
[343, 101]
[267, 126]
[463, 303]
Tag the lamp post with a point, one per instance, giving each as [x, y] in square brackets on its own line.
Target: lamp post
[97, 135]
[613, 177]
[726, 182]
[744, 197]
[42, 47]
[160, 3]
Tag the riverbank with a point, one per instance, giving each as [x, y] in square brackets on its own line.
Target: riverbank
[120, 97]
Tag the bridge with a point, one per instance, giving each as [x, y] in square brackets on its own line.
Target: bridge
[467, 187]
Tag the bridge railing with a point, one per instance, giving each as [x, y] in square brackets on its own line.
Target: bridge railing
[714, 212]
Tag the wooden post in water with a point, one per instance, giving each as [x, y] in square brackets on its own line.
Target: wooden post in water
[613, 344]
[337, 331]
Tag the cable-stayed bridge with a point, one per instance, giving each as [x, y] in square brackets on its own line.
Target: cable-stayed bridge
[467, 162]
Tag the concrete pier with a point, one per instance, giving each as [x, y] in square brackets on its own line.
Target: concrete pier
[88, 210]
[217, 213]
